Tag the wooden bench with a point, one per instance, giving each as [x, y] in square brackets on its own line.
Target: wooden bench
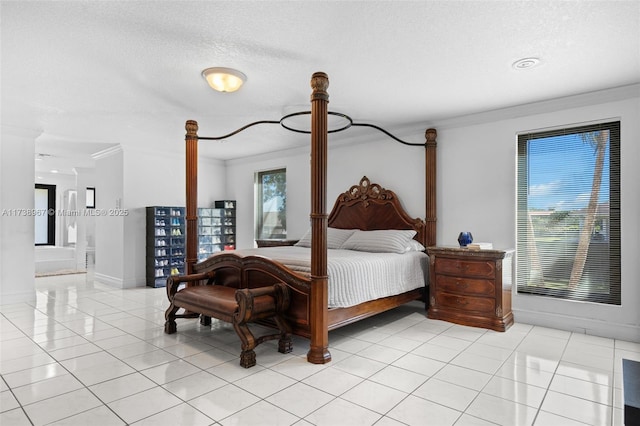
[202, 298]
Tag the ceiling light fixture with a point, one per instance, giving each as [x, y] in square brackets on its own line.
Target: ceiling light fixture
[224, 79]
[525, 63]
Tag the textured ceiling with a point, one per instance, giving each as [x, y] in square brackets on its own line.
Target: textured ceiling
[87, 74]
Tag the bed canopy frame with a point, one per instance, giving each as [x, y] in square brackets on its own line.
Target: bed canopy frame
[319, 336]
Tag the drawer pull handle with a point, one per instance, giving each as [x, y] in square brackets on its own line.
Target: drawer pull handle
[463, 285]
[462, 268]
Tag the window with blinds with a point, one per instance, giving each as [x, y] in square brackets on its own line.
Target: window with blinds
[568, 213]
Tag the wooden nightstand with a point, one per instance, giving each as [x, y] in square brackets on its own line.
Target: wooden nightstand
[275, 243]
[471, 287]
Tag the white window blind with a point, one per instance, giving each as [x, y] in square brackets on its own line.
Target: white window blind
[568, 213]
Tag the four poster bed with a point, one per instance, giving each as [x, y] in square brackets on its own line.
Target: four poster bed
[366, 209]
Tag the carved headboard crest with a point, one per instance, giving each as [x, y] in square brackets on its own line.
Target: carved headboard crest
[365, 190]
[368, 206]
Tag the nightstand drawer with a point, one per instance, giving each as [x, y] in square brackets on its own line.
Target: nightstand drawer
[475, 268]
[467, 303]
[463, 285]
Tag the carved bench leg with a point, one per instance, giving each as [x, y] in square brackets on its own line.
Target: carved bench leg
[285, 345]
[170, 326]
[247, 359]
[248, 355]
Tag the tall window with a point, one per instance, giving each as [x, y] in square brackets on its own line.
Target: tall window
[568, 213]
[45, 218]
[271, 204]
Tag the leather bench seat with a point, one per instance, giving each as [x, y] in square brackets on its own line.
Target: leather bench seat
[229, 304]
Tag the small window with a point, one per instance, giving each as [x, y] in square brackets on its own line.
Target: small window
[91, 198]
[45, 217]
[271, 204]
[568, 213]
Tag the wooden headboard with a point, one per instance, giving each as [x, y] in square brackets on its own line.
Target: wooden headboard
[370, 207]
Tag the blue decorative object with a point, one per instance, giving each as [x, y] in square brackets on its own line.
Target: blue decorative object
[465, 238]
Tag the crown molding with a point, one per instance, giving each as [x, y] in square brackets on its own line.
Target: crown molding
[107, 152]
[550, 105]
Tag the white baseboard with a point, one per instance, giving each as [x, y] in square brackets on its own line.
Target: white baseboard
[108, 279]
[134, 282]
[581, 325]
[119, 282]
[22, 297]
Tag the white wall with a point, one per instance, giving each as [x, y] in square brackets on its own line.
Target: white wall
[17, 267]
[128, 180]
[382, 160]
[158, 179]
[482, 199]
[476, 185]
[109, 229]
[240, 186]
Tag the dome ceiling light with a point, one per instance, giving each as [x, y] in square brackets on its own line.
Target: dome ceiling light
[224, 79]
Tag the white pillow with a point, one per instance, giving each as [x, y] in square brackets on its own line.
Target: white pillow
[414, 245]
[335, 238]
[381, 241]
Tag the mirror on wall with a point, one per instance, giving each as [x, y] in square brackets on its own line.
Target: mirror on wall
[70, 219]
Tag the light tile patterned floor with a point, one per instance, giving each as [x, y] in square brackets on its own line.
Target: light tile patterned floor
[89, 354]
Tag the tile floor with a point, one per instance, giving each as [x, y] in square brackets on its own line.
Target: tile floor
[89, 354]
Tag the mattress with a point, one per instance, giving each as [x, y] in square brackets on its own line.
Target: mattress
[356, 276]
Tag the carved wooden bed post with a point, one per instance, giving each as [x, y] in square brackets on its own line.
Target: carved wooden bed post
[430, 185]
[319, 345]
[192, 194]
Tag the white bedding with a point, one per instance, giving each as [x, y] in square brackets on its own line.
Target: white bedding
[356, 276]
